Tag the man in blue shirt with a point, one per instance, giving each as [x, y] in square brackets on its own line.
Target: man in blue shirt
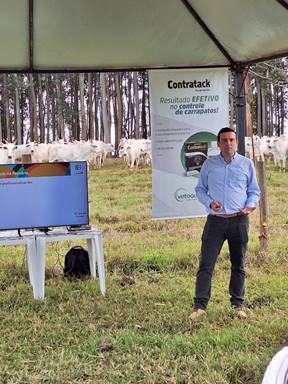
[229, 190]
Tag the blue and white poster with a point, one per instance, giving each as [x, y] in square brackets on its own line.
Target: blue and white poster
[187, 108]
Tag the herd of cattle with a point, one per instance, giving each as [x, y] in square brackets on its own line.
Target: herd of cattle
[132, 151]
[94, 152]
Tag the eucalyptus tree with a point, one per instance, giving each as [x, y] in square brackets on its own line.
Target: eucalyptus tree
[270, 86]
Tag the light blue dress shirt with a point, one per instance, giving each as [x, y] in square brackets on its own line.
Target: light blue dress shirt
[233, 185]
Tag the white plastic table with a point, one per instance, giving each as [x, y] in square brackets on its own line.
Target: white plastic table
[95, 251]
[27, 239]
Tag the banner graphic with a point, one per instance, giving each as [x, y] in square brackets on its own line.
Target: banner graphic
[187, 109]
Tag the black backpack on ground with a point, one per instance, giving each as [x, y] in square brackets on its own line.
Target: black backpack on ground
[76, 262]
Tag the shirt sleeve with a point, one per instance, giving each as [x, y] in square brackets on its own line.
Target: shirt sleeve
[201, 188]
[253, 190]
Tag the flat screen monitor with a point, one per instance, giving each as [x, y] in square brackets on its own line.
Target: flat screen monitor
[42, 195]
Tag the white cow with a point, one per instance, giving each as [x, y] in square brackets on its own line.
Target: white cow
[40, 153]
[62, 152]
[9, 149]
[281, 151]
[135, 150]
[22, 149]
[76, 151]
[249, 147]
[3, 155]
[100, 156]
[266, 149]
[86, 150]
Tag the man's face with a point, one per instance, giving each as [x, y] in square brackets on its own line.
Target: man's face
[228, 143]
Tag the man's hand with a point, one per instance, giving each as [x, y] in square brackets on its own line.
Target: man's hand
[215, 206]
[247, 210]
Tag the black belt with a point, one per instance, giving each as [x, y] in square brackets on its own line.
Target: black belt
[229, 216]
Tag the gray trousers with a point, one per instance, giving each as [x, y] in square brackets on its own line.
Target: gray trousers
[216, 231]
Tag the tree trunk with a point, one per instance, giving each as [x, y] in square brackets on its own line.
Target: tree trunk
[264, 114]
[61, 131]
[96, 103]
[41, 109]
[136, 104]
[259, 109]
[90, 107]
[107, 138]
[282, 111]
[48, 102]
[144, 120]
[76, 122]
[108, 103]
[19, 134]
[23, 107]
[7, 131]
[271, 112]
[82, 107]
[33, 110]
[130, 107]
[249, 125]
[118, 110]
[55, 134]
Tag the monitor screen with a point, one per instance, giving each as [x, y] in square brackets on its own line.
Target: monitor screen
[43, 195]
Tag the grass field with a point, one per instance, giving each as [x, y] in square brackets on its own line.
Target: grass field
[141, 332]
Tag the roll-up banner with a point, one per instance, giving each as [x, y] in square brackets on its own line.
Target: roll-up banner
[187, 109]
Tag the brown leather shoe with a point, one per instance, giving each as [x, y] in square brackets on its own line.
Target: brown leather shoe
[240, 313]
[197, 312]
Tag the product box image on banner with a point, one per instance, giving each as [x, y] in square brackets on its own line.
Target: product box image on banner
[185, 121]
[195, 154]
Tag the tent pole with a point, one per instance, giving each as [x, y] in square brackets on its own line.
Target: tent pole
[240, 74]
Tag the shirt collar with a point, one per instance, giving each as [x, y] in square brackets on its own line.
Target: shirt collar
[232, 158]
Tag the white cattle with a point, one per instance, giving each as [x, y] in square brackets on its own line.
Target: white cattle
[40, 153]
[135, 150]
[77, 151]
[108, 148]
[21, 150]
[9, 149]
[281, 151]
[249, 144]
[272, 148]
[123, 143]
[3, 155]
[266, 149]
[102, 151]
[62, 152]
[86, 150]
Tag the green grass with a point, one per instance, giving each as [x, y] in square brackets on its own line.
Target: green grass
[147, 322]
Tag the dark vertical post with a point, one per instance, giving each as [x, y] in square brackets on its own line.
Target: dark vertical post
[31, 64]
[263, 209]
[240, 108]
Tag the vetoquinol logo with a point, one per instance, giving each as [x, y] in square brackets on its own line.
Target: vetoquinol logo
[182, 195]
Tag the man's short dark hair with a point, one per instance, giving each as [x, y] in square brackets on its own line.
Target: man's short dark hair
[223, 130]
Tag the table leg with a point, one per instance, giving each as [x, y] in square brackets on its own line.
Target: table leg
[38, 269]
[92, 258]
[100, 262]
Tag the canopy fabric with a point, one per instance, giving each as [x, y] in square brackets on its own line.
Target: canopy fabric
[95, 35]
